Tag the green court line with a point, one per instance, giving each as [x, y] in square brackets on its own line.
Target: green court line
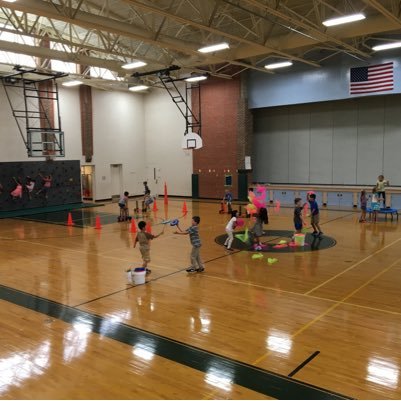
[229, 370]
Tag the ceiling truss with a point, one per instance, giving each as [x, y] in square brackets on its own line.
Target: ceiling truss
[110, 33]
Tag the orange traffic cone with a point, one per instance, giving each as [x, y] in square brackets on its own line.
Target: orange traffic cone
[69, 221]
[148, 228]
[98, 226]
[184, 208]
[165, 194]
[155, 209]
[133, 226]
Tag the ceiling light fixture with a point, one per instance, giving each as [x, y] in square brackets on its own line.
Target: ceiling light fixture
[214, 48]
[134, 64]
[281, 64]
[344, 19]
[138, 88]
[10, 1]
[196, 78]
[392, 45]
[72, 83]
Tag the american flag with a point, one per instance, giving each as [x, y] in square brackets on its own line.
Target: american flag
[375, 78]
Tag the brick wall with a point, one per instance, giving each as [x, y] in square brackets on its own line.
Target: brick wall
[85, 97]
[220, 102]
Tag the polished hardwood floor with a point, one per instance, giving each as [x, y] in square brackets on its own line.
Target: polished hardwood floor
[322, 323]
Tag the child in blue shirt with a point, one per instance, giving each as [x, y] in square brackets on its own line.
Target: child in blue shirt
[227, 199]
[314, 215]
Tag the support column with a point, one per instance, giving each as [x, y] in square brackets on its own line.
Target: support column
[46, 101]
[244, 140]
[85, 98]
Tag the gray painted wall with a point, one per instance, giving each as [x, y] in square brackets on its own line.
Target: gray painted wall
[303, 84]
[345, 142]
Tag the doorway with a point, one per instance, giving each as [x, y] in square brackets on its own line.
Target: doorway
[87, 182]
[116, 174]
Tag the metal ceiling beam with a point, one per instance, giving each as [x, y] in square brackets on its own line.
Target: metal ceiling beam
[374, 25]
[89, 21]
[321, 36]
[383, 10]
[42, 52]
[259, 48]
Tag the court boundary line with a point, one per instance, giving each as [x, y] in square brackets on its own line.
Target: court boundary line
[245, 375]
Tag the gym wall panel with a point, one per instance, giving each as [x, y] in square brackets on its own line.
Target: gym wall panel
[370, 140]
[346, 142]
[278, 149]
[392, 140]
[345, 137]
[271, 145]
[321, 144]
[299, 145]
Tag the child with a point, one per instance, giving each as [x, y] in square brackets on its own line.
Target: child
[147, 201]
[257, 230]
[375, 203]
[143, 238]
[314, 215]
[146, 188]
[381, 185]
[193, 232]
[298, 220]
[227, 199]
[17, 192]
[363, 202]
[30, 185]
[230, 227]
[47, 183]
[123, 203]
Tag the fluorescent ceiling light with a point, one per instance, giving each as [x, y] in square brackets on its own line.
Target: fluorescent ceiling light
[343, 20]
[10, 1]
[196, 78]
[72, 83]
[135, 64]
[214, 48]
[387, 46]
[138, 88]
[278, 65]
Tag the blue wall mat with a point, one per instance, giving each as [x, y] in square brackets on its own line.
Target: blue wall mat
[396, 201]
[340, 199]
[285, 197]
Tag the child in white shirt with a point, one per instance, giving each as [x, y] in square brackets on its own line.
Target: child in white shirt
[230, 227]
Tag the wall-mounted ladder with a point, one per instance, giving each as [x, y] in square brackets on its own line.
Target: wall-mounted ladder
[34, 101]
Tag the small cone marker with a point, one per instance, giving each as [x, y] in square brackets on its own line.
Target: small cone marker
[184, 208]
[98, 226]
[133, 226]
[165, 194]
[69, 221]
[155, 209]
[148, 228]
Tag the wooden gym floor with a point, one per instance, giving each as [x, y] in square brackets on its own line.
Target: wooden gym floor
[318, 324]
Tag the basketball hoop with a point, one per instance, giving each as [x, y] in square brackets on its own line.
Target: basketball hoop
[191, 141]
